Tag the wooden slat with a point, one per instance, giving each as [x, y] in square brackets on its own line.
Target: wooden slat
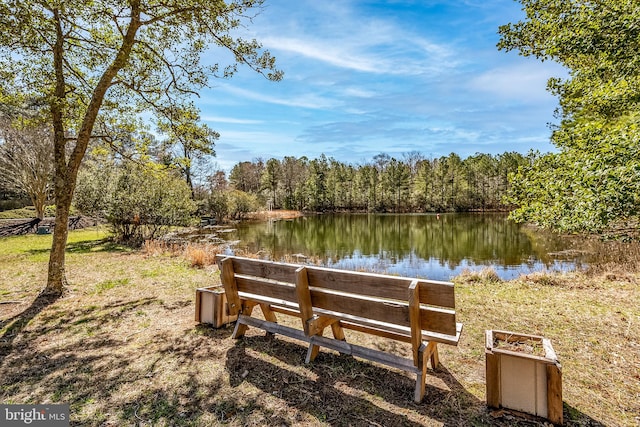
[441, 321]
[304, 298]
[371, 308]
[414, 319]
[492, 378]
[241, 328]
[267, 288]
[554, 393]
[381, 286]
[340, 346]
[374, 285]
[439, 294]
[443, 338]
[366, 353]
[285, 310]
[198, 305]
[377, 331]
[395, 332]
[274, 328]
[227, 276]
[260, 268]
[268, 313]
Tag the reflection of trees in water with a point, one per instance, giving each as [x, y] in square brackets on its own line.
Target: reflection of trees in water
[451, 239]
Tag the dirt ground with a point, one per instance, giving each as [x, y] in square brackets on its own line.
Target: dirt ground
[123, 349]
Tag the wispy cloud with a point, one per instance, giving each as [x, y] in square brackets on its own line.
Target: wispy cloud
[368, 77]
[231, 120]
[309, 100]
[517, 81]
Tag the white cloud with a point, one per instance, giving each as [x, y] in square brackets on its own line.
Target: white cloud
[522, 81]
[311, 101]
[231, 120]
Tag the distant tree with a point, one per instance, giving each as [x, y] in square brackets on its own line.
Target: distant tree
[188, 142]
[26, 158]
[397, 176]
[246, 176]
[271, 179]
[294, 175]
[104, 62]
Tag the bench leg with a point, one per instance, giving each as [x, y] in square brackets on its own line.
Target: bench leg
[432, 351]
[269, 316]
[421, 376]
[241, 328]
[313, 350]
[338, 332]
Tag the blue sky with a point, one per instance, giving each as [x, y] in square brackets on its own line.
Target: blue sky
[365, 77]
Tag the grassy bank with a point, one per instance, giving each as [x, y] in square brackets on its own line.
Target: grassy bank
[122, 348]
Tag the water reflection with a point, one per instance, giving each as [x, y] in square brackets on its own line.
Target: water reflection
[412, 245]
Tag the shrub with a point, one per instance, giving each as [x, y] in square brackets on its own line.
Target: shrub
[146, 201]
[241, 203]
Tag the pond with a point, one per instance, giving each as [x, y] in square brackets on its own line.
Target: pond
[416, 245]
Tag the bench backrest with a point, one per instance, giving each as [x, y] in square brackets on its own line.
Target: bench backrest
[378, 297]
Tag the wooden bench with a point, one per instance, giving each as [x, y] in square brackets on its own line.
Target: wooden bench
[420, 312]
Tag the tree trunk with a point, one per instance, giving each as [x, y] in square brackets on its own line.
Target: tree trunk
[56, 280]
[39, 202]
[66, 171]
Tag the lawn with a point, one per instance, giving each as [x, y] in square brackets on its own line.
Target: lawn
[122, 348]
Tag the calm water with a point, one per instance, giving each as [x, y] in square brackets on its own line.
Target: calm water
[410, 245]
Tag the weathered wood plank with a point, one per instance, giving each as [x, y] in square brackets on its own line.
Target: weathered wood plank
[381, 286]
[304, 299]
[442, 321]
[439, 294]
[492, 373]
[268, 313]
[395, 332]
[414, 319]
[366, 307]
[554, 393]
[260, 268]
[267, 288]
[198, 305]
[338, 332]
[227, 276]
[241, 328]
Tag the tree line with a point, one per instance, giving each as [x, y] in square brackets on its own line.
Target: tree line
[413, 183]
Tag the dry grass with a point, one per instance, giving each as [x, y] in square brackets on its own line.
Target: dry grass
[122, 348]
[199, 255]
[487, 274]
[274, 214]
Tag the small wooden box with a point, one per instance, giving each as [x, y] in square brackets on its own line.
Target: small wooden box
[211, 307]
[520, 379]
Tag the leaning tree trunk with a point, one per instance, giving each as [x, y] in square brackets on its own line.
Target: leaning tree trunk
[66, 171]
[56, 280]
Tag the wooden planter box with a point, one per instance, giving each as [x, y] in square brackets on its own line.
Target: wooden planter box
[523, 374]
[211, 307]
